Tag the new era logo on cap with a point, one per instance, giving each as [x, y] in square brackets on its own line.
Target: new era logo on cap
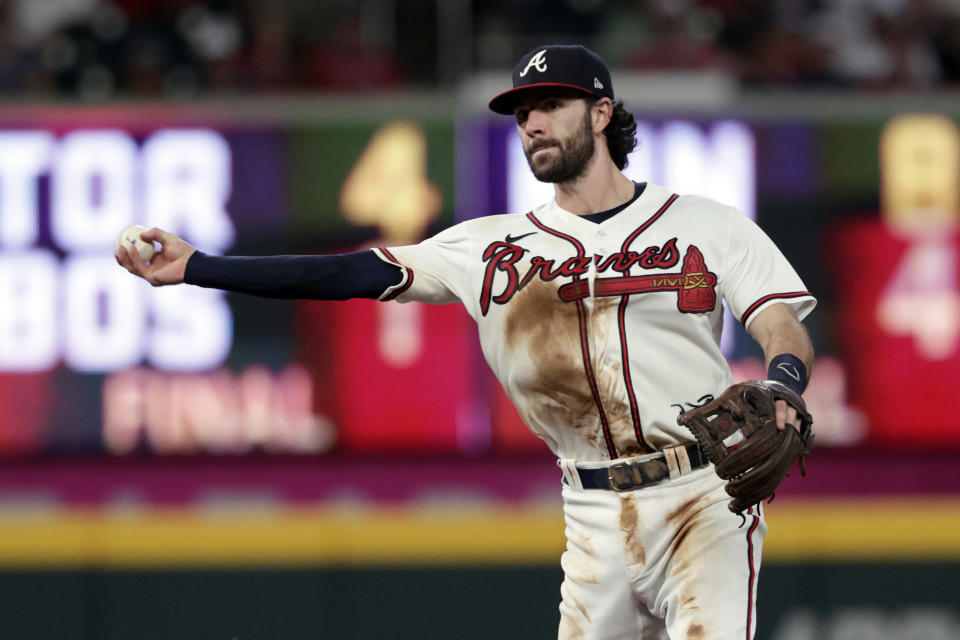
[557, 65]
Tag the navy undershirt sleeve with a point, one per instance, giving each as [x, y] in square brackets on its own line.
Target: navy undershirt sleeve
[361, 274]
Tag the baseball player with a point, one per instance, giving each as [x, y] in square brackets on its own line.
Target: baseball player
[600, 313]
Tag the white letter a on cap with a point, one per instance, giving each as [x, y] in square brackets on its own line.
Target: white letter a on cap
[538, 62]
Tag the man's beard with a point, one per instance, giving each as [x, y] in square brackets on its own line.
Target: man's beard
[572, 158]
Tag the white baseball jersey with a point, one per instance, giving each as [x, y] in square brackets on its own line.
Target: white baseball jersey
[601, 333]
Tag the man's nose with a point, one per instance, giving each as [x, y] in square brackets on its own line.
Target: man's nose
[534, 124]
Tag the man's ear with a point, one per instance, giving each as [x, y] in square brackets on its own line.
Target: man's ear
[602, 114]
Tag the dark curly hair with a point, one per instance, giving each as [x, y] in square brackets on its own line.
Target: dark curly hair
[621, 133]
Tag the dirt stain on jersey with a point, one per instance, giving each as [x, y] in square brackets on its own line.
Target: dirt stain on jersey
[695, 632]
[631, 449]
[548, 329]
[629, 525]
[603, 328]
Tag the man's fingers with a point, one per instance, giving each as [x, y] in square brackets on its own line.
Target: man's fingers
[786, 414]
[157, 235]
[139, 265]
[781, 409]
[123, 258]
[792, 418]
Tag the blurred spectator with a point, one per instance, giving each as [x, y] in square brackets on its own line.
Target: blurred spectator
[17, 64]
[271, 64]
[946, 42]
[215, 38]
[881, 44]
[33, 21]
[343, 61]
[100, 49]
[683, 36]
[770, 44]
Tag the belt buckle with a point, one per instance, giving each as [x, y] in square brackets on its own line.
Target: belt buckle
[624, 476]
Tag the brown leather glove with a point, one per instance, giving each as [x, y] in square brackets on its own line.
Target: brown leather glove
[738, 432]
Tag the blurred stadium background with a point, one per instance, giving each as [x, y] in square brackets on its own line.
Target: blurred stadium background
[188, 464]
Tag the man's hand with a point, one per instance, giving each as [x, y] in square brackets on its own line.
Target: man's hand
[166, 267]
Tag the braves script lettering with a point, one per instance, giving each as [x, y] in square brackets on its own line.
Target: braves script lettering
[502, 257]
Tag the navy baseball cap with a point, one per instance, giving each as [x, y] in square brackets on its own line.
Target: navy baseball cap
[556, 65]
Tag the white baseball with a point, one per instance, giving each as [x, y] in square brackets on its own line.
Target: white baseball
[131, 236]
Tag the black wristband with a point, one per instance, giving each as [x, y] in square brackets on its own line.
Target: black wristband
[790, 370]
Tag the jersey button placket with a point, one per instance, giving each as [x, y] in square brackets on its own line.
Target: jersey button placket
[599, 249]
[591, 274]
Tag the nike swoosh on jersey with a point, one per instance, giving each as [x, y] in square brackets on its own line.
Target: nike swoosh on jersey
[511, 239]
[790, 371]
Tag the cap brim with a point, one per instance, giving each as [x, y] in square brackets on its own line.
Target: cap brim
[507, 101]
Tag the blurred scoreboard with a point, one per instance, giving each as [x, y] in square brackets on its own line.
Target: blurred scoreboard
[93, 360]
[64, 299]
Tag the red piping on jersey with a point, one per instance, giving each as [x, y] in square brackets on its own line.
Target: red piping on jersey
[772, 296]
[621, 325]
[753, 573]
[650, 221]
[627, 380]
[407, 271]
[591, 378]
[581, 252]
[584, 342]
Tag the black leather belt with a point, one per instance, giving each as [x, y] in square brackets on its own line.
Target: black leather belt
[626, 476]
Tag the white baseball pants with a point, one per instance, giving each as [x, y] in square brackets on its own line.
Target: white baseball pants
[668, 561]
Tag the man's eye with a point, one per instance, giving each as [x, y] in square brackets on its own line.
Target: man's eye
[554, 105]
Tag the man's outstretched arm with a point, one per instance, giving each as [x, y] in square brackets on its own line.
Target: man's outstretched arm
[361, 274]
